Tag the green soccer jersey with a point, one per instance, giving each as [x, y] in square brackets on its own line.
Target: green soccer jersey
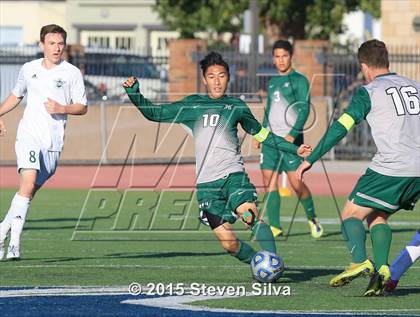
[391, 106]
[213, 123]
[288, 103]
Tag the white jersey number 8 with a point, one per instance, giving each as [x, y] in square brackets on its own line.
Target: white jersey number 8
[408, 101]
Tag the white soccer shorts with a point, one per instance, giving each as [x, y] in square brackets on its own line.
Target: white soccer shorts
[30, 156]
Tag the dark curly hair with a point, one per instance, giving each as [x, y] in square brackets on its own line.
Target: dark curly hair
[211, 59]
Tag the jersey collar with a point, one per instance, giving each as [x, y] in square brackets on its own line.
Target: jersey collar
[50, 69]
[213, 99]
[386, 74]
[288, 74]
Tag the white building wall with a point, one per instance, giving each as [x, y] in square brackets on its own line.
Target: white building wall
[356, 29]
[20, 22]
[30, 16]
[135, 17]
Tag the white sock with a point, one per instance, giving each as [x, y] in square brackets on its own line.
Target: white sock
[18, 209]
[413, 251]
[6, 223]
[4, 229]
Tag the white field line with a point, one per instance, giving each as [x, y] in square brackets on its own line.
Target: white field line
[324, 221]
[64, 291]
[147, 266]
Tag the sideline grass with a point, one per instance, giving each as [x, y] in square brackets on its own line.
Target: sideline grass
[118, 243]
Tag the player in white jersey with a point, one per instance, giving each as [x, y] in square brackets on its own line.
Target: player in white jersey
[54, 89]
[391, 105]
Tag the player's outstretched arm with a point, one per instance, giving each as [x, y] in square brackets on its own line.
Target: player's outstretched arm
[153, 112]
[357, 110]
[9, 104]
[147, 108]
[332, 137]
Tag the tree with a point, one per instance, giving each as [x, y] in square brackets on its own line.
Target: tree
[191, 16]
[300, 19]
[305, 19]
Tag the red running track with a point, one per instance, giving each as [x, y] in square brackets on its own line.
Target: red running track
[164, 177]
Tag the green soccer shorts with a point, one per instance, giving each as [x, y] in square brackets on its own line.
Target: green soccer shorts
[277, 161]
[386, 193]
[222, 196]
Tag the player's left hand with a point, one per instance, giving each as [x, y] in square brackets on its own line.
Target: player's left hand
[53, 107]
[2, 128]
[304, 150]
[129, 82]
[256, 144]
[289, 138]
[303, 167]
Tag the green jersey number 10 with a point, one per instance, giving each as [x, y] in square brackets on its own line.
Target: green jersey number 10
[210, 120]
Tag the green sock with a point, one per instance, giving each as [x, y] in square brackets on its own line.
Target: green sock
[273, 208]
[264, 236]
[354, 233]
[381, 236]
[245, 253]
[308, 205]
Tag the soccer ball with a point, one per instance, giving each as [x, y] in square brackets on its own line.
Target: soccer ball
[267, 267]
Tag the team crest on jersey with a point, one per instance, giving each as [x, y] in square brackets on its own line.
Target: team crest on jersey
[228, 107]
[286, 84]
[59, 82]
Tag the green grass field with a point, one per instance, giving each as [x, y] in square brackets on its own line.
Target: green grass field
[108, 238]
